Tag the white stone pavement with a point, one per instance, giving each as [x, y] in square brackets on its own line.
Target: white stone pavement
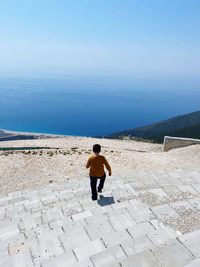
[142, 218]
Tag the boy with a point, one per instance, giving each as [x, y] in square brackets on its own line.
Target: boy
[96, 164]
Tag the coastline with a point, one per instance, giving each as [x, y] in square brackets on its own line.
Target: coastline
[9, 135]
[31, 133]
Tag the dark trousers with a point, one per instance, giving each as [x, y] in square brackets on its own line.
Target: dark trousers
[93, 184]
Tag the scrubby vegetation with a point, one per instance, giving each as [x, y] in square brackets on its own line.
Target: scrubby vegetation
[50, 153]
[187, 125]
[122, 137]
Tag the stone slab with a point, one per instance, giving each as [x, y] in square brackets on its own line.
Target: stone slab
[119, 205]
[137, 206]
[195, 202]
[19, 247]
[115, 238]
[74, 238]
[52, 214]
[192, 242]
[194, 263]
[95, 219]
[20, 259]
[137, 245]
[116, 212]
[67, 259]
[88, 249]
[142, 216]
[8, 229]
[189, 190]
[164, 211]
[98, 230]
[172, 254]
[49, 246]
[143, 259]
[162, 235]
[196, 187]
[121, 222]
[108, 257]
[82, 215]
[140, 229]
[181, 205]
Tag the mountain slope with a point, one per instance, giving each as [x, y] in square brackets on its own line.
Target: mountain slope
[187, 125]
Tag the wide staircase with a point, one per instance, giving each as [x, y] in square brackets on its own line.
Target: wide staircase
[133, 223]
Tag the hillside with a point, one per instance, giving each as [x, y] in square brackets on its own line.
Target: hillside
[29, 163]
[146, 214]
[187, 125]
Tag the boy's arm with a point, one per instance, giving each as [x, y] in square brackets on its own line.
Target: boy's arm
[107, 166]
[88, 163]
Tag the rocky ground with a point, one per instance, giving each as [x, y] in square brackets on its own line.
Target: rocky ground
[66, 157]
[150, 206]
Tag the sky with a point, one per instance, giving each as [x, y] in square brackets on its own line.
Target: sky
[100, 37]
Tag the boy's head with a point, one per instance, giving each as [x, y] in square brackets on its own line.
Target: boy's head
[96, 149]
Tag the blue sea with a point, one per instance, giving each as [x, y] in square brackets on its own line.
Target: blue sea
[92, 106]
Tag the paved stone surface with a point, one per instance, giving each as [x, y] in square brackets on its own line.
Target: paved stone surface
[137, 245]
[99, 229]
[74, 238]
[192, 242]
[141, 219]
[142, 259]
[121, 222]
[172, 254]
[109, 257]
[194, 263]
[88, 249]
[66, 259]
[140, 229]
[162, 235]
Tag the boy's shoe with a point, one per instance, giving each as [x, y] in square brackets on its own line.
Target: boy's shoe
[93, 198]
[99, 191]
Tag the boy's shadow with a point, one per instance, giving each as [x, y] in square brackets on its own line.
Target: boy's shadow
[103, 201]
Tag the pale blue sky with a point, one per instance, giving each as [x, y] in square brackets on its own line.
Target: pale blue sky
[100, 37]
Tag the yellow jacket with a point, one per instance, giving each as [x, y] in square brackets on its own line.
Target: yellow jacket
[96, 165]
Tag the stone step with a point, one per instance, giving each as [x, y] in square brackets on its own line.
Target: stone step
[145, 258]
[88, 249]
[137, 245]
[59, 225]
[20, 259]
[194, 263]
[172, 254]
[192, 242]
[109, 257]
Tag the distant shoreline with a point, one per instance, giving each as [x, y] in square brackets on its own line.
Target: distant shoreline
[8, 135]
[31, 133]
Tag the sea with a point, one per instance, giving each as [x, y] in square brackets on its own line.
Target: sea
[92, 105]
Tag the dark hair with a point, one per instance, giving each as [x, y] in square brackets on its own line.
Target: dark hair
[96, 148]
